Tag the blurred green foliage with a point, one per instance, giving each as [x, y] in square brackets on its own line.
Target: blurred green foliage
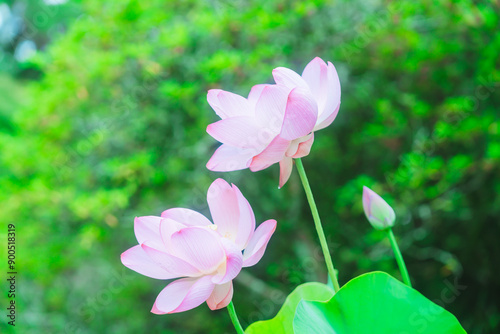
[27, 26]
[115, 128]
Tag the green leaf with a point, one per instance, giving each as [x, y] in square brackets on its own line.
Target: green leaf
[374, 303]
[283, 321]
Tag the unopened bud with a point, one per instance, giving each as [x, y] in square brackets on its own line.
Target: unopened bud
[379, 213]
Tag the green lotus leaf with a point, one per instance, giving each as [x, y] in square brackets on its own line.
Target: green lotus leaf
[282, 323]
[374, 303]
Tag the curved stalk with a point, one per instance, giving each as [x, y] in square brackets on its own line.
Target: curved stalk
[399, 257]
[317, 224]
[234, 318]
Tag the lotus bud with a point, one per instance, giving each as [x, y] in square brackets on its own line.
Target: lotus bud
[379, 213]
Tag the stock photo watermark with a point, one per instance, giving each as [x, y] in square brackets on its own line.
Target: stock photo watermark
[11, 274]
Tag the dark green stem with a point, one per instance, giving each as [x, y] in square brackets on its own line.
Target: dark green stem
[317, 224]
[234, 318]
[399, 257]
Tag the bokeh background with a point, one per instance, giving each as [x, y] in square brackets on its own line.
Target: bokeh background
[103, 114]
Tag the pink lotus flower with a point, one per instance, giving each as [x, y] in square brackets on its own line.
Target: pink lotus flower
[276, 123]
[184, 244]
[377, 211]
